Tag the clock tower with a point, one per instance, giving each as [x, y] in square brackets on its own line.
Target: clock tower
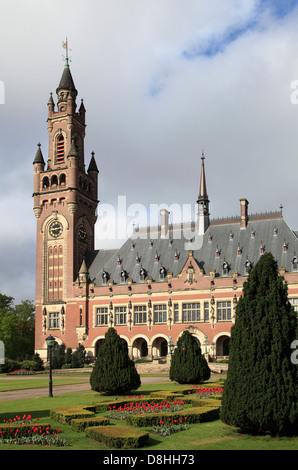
[65, 204]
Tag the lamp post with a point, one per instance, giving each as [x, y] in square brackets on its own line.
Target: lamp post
[50, 344]
[171, 346]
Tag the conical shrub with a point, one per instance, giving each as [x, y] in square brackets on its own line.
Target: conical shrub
[114, 372]
[188, 365]
[260, 393]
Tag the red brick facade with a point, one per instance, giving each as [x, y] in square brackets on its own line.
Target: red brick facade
[201, 295]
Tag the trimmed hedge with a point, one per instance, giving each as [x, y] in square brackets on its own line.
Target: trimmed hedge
[9, 429]
[79, 424]
[118, 436]
[65, 415]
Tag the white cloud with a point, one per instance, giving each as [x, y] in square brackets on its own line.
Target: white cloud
[149, 110]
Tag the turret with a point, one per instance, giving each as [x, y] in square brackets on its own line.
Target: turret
[39, 165]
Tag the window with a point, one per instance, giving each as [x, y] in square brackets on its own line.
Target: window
[54, 320]
[162, 273]
[225, 269]
[123, 276]
[224, 311]
[140, 314]
[295, 263]
[247, 267]
[120, 315]
[176, 313]
[160, 313]
[206, 311]
[191, 312]
[105, 278]
[102, 316]
[60, 149]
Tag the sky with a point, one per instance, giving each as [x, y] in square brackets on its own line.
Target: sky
[162, 82]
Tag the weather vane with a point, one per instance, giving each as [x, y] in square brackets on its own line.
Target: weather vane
[65, 46]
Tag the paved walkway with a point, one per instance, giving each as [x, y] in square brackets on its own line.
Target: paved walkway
[61, 389]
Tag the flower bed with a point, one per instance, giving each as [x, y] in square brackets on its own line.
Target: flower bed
[25, 430]
[144, 407]
[197, 414]
[165, 411]
[21, 372]
[169, 427]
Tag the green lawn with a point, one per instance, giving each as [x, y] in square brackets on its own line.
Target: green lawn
[205, 436]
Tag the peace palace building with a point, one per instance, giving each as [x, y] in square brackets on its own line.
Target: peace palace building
[157, 284]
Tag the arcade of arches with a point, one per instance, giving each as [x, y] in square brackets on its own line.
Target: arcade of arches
[157, 347]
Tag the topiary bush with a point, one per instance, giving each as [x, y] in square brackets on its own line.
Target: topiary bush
[188, 365]
[260, 392]
[114, 372]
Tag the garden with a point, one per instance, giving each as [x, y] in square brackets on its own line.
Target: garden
[58, 423]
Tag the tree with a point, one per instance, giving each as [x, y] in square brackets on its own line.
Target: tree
[78, 358]
[260, 393]
[17, 327]
[188, 365]
[114, 372]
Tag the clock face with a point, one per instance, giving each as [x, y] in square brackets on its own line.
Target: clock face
[56, 229]
[82, 232]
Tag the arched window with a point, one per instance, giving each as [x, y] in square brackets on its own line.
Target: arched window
[62, 179]
[45, 183]
[60, 149]
[54, 180]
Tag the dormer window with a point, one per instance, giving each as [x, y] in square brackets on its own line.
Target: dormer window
[247, 267]
[142, 274]
[60, 151]
[105, 277]
[225, 269]
[123, 276]
[295, 263]
[162, 273]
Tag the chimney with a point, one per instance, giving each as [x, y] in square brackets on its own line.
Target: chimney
[244, 212]
[164, 228]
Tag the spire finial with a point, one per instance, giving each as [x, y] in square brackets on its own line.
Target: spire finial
[65, 46]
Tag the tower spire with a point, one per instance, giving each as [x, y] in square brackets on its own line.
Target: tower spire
[203, 187]
[203, 201]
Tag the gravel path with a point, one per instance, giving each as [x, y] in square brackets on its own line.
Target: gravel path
[61, 389]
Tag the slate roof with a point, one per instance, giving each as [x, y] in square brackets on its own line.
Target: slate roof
[39, 157]
[66, 82]
[232, 244]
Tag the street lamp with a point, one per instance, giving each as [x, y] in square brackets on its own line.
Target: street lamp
[50, 344]
[171, 346]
